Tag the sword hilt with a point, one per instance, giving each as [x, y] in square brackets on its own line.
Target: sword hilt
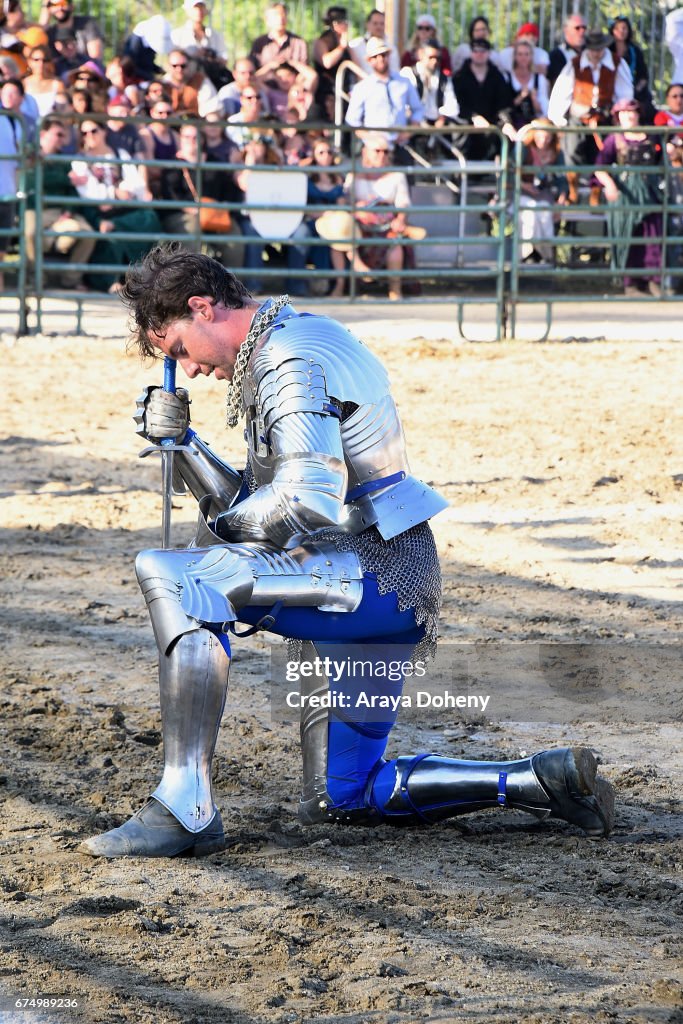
[169, 385]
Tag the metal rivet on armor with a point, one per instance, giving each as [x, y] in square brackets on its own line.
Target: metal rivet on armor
[328, 562]
[323, 805]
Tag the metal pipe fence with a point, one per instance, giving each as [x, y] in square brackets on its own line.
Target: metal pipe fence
[471, 253]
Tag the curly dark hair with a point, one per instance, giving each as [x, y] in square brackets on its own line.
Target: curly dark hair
[157, 289]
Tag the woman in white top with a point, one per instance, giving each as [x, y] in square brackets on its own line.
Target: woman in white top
[529, 87]
[108, 176]
[42, 84]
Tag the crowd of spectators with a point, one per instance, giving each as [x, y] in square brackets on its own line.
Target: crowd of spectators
[275, 106]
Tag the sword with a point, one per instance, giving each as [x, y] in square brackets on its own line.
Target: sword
[167, 446]
[166, 449]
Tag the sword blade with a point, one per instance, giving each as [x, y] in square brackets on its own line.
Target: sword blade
[167, 463]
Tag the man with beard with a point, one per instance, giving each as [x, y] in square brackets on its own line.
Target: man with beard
[324, 538]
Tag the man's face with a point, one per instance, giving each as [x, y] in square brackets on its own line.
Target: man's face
[243, 72]
[276, 19]
[60, 10]
[198, 13]
[375, 25]
[250, 104]
[10, 96]
[376, 153]
[380, 63]
[575, 31]
[201, 344]
[189, 142]
[115, 112]
[479, 57]
[595, 56]
[177, 63]
[52, 139]
[430, 57]
[675, 99]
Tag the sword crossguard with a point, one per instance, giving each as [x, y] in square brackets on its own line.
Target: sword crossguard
[159, 449]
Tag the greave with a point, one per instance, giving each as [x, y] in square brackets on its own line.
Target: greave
[314, 746]
[432, 788]
[193, 683]
[561, 783]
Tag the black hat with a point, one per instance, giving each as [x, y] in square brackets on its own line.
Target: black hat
[596, 40]
[336, 14]
[64, 34]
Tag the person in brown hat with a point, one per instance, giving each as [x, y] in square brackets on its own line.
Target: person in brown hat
[583, 96]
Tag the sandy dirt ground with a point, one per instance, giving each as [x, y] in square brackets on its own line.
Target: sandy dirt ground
[563, 465]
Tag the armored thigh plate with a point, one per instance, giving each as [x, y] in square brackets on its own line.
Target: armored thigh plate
[209, 585]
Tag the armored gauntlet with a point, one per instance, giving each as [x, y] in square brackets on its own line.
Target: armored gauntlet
[161, 414]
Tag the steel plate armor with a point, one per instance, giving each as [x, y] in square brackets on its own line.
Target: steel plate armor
[325, 441]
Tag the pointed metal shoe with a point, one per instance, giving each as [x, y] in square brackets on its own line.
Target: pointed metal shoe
[155, 832]
[575, 791]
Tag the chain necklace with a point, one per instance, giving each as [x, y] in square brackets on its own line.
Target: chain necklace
[260, 324]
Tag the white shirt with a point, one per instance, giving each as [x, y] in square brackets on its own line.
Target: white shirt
[563, 91]
[450, 106]
[104, 176]
[391, 188]
[674, 40]
[184, 39]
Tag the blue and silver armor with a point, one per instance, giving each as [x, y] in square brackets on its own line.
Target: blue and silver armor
[324, 539]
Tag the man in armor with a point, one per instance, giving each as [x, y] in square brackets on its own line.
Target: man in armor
[323, 539]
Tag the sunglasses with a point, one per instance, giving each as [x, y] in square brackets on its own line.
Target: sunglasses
[385, 152]
[250, 96]
[424, 28]
[90, 131]
[38, 60]
[178, 65]
[163, 113]
[580, 28]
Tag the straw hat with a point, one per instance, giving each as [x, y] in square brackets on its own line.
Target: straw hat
[337, 226]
